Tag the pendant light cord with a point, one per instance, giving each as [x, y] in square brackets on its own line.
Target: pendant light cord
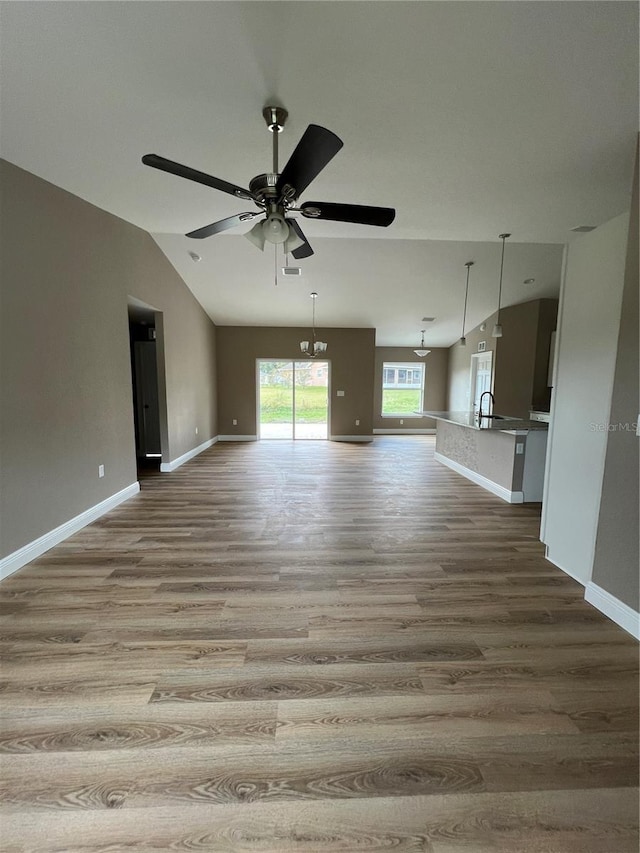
[503, 237]
[468, 265]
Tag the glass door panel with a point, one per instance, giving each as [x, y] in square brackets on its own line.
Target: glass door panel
[276, 399]
[311, 399]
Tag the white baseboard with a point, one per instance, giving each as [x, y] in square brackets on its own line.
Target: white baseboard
[237, 438]
[167, 467]
[350, 438]
[623, 615]
[489, 485]
[34, 549]
[402, 431]
[562, 568]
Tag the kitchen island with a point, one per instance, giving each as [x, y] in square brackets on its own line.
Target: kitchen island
[504, 455]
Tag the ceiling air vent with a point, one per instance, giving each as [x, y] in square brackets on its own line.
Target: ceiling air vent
[582, 229]
[291, 271]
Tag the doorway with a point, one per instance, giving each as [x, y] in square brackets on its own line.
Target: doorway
[143, 335]
[293, 399]
[481, 378]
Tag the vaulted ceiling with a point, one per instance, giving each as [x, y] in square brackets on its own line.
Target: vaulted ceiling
[470, 118]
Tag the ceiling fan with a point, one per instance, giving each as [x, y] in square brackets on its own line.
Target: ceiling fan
[275, 193]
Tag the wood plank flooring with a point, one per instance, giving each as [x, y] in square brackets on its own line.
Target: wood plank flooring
[308, 647]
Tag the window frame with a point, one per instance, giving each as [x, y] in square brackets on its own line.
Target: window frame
[407, 366]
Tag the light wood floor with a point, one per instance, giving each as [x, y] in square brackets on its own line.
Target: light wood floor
[313, 647]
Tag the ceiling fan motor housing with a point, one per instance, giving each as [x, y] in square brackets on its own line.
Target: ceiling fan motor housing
[263, 187]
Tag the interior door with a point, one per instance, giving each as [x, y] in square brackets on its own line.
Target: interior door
[147, 404]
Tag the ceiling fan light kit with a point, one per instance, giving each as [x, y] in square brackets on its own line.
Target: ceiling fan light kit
[275, 193]
[497, 329]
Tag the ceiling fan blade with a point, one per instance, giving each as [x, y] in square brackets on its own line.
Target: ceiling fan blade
[223, 225]
[316, 148]
[157, 162]
[359, 213]
[302, 251]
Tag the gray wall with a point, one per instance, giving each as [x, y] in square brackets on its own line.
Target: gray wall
[616, 565]
[435, 390]
[68, 269]
[349, 351]
[590, 306]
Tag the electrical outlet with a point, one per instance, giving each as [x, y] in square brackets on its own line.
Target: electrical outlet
[100, 470]
[357, 423]
[339, 393]
[519, 447]
[234, 422]
[401, 421]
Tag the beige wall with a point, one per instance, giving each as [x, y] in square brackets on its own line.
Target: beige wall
[520, 359]
[616, 566]
[350, 353]
[459, 368]
[522, 356]
[435, 391]
[67, 271]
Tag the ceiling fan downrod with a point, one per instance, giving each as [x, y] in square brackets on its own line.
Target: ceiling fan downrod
[275, 118]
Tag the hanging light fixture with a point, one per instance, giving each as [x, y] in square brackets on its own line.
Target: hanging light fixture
[274, 229]
[317, 347]
[422, 351]
[497, 329]
[463, 340]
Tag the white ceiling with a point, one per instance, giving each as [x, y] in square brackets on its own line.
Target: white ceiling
[470, 118]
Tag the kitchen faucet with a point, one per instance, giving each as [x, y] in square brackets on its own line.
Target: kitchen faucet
[493, 400]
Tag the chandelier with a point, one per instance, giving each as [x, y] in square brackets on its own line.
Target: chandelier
[314, 347]
[422, 351]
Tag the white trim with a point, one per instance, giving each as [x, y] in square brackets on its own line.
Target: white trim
[350, 438]
[623, 615]
[34, 549]
[402, 431]
[550, 443]
[237, 438]
[167, 467]
[581, 581]
[489, 485]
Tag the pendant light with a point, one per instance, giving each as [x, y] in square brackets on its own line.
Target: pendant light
[422, 351]
[497, 329]
[463, 340]
[317, 347]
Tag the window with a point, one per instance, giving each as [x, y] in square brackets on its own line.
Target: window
[402, 389]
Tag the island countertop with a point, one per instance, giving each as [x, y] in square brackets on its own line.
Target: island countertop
[502, 423]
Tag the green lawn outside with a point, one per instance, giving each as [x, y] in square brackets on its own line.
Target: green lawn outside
[275, 405]
[311, 404]
[401, 402]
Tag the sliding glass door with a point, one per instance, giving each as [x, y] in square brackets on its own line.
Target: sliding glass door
[293, 399]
